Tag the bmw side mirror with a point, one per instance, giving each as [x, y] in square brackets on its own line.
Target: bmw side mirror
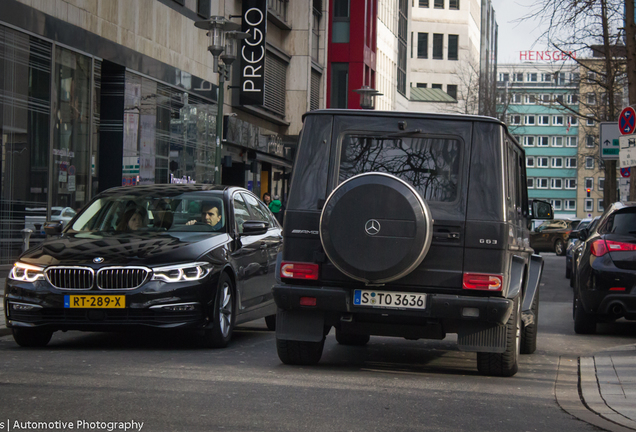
[542, 210]
[582, 235]
[53, 228]
[574, 235]
[255, 227]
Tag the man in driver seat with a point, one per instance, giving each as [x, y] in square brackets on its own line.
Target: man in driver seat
[211, 214]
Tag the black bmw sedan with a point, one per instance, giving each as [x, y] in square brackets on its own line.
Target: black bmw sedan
[605, 270]
[200, 257]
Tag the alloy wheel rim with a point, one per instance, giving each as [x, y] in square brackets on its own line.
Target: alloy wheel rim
[518, 330]
[225, 310]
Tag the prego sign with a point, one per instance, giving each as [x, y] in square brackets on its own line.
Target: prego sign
[253, 52]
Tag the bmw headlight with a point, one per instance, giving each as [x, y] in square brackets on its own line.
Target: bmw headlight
[26, 272]
[182, 272]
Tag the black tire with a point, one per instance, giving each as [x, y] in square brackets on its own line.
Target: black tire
[584, 323]
[299, 352]
[270, 320]
[559, 247]
[505, 364]
[352, 339]
[529, 333]
[219, 331]
[31, 337]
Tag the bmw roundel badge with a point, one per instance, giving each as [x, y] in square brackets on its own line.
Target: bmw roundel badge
[98, 260]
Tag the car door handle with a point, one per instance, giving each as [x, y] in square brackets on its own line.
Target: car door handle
[263, 245]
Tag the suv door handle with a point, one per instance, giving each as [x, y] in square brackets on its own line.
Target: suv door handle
[447, 236]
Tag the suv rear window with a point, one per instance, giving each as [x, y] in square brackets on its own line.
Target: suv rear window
[621, 222]
[429, 164]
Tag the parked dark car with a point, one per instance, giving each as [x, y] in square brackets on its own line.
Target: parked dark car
[606, 270]
[573, 240]
[410, 225]
[552, 236]
[578, 247]
[196, 257]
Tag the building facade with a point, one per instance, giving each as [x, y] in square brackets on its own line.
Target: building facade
[540, 102]
[97, 94]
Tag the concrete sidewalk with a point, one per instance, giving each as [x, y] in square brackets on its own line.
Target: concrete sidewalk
[607, 380]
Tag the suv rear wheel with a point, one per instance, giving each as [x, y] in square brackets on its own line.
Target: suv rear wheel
[529, 333]
[299, 352]
[505, 364]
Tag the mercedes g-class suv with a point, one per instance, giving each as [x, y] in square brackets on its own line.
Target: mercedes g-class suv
[410, 225]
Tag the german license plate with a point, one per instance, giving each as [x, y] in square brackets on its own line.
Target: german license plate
[95, 301]
[389, 299]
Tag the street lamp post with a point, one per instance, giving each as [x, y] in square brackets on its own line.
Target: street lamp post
[223, 43]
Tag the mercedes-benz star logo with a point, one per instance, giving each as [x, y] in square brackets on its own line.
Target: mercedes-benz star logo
[372, 227]
[98, 260]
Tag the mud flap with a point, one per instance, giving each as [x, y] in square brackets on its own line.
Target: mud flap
[300, 325]
[534, 278]
[482, 337]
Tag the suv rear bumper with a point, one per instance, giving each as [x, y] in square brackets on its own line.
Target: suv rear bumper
[493, 310]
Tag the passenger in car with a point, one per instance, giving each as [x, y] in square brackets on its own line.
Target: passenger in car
[133, 220]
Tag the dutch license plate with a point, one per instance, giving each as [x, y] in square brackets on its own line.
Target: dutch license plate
[95, 301]
[389, 299]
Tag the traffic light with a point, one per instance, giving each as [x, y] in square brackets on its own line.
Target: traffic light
[588, 192]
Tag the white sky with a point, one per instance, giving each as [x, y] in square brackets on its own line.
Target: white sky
[516, 36]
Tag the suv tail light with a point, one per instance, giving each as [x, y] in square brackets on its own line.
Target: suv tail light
[295, 270]
[601, 247]
[482, 281]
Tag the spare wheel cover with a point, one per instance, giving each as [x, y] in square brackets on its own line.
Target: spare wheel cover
[375, 228]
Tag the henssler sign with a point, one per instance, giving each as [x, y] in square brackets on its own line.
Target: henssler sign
[546, 55]
[253, 53]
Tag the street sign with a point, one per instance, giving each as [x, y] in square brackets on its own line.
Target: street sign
[625, 172]
[609, 135]
[627, 121]
[628, 151]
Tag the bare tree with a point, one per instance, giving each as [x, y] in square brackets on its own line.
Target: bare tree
[592, 28]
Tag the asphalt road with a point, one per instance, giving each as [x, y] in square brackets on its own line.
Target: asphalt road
[391, 384]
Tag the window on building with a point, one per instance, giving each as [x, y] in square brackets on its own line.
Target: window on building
[203, 8]
[556, 183]
[545, 98]
[589, 122]
[517, 77]
[570, 183]
[544, 120]
[340, 26]
[589, 183]
[529, 120]
[453, 4]
[275, 83]
[453, 47]
[591, 76]
[514, 119]
[601, 183]
[573, 99]
[436, 86]
[530, 161]
[589, 141]
[403, 13]
[589, 162]
[422, 45]
[543, 141]
[439, 4]
[557, 162]
[339, 84]
[420, 85]
[530, 182]
[559, 78]
[423, 3]
[569, 204]
[451, 89]
[572, 141]
[573, 121]
[531, 99]
[589, 204]
[504, 77]
[557, 141]
[558, 98]
[438, 46]
[531, 77]
[570, 162]
[543, 162]
[542, 183]
[557, 120]
[314, 95]
[546, 77]
[590, 98]
[515, 98]
[600, 206]
[528, 141]
[556, 204]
